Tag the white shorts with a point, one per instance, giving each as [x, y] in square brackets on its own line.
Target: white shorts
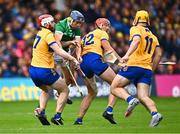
[59, 60]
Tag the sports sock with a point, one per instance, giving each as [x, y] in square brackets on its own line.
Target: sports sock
[43, 112]
[57, 115]
[79, 119]
[153, 113]
[129, 98]
[109, 110]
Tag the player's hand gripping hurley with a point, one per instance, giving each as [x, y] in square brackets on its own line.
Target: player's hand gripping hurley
[109, 57]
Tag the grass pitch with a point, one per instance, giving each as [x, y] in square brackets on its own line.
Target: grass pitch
[18, 117]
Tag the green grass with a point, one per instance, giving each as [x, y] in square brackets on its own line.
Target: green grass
[17, 117]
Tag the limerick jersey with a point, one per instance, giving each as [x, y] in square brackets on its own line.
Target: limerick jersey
[64, 28]
[92, 42]
[142, 56]
[42, 53]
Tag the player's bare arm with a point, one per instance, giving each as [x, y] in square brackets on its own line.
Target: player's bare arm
[134, 45]
[63, 53]
[107, 48]
[58, 37]
[68, 43]
[78, 48]
[157, 57]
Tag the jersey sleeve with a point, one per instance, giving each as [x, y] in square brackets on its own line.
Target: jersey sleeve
[50, 39]
[78, 32]
[134, 31]
[59, 27]
[104, 36]
[157, 42]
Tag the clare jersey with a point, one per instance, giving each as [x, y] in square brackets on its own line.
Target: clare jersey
[42, 55]
[142, 56]
[92, 42]
[64, 27]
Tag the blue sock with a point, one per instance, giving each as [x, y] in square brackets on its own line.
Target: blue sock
[79, 119]
[57, 115]
[129, 98]
[153, 113]
[42, 112]
[109, 109]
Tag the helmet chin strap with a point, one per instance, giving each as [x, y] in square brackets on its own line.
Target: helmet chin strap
[103, 28]
[135, 22]
[48, 26]
[70, 23]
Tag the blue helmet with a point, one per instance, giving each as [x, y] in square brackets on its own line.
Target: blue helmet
[77, 16]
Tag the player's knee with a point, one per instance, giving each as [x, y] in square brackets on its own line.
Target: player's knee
[112, 90]
[64, 90]
[61, 86]
[95, 89]
[92, 93]
[64, 87]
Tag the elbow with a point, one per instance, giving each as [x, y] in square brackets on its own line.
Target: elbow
[158, 52]
[56, 37]
[137, 42]
[160, 55]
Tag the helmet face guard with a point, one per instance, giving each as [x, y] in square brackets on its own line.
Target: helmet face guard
[77, 16]
[45, 20]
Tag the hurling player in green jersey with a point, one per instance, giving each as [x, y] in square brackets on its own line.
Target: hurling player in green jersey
[67, 33]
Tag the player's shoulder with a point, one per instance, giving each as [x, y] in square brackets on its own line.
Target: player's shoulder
[99, 32]
[45, 31]
[134, 28]
[62, 23]
[154, 37]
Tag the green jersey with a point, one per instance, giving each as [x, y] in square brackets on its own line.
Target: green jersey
[64, 28]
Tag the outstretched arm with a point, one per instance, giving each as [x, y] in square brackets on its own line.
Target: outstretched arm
[63, 53]
[78, 48]
[107, 48]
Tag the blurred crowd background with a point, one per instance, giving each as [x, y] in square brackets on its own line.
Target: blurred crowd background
[18, 27]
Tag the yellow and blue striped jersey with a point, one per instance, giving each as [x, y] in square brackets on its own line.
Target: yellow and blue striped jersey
[42, 55]
[92, 42]
[142, 56]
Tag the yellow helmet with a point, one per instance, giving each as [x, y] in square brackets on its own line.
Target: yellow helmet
[141, 16]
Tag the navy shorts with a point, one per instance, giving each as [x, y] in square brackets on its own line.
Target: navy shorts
[43, 76]
[137, 75]
[93, 64]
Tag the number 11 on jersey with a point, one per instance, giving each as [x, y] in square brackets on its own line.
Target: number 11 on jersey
[149, 42]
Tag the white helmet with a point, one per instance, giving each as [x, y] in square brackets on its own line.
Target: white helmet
[45, 19]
